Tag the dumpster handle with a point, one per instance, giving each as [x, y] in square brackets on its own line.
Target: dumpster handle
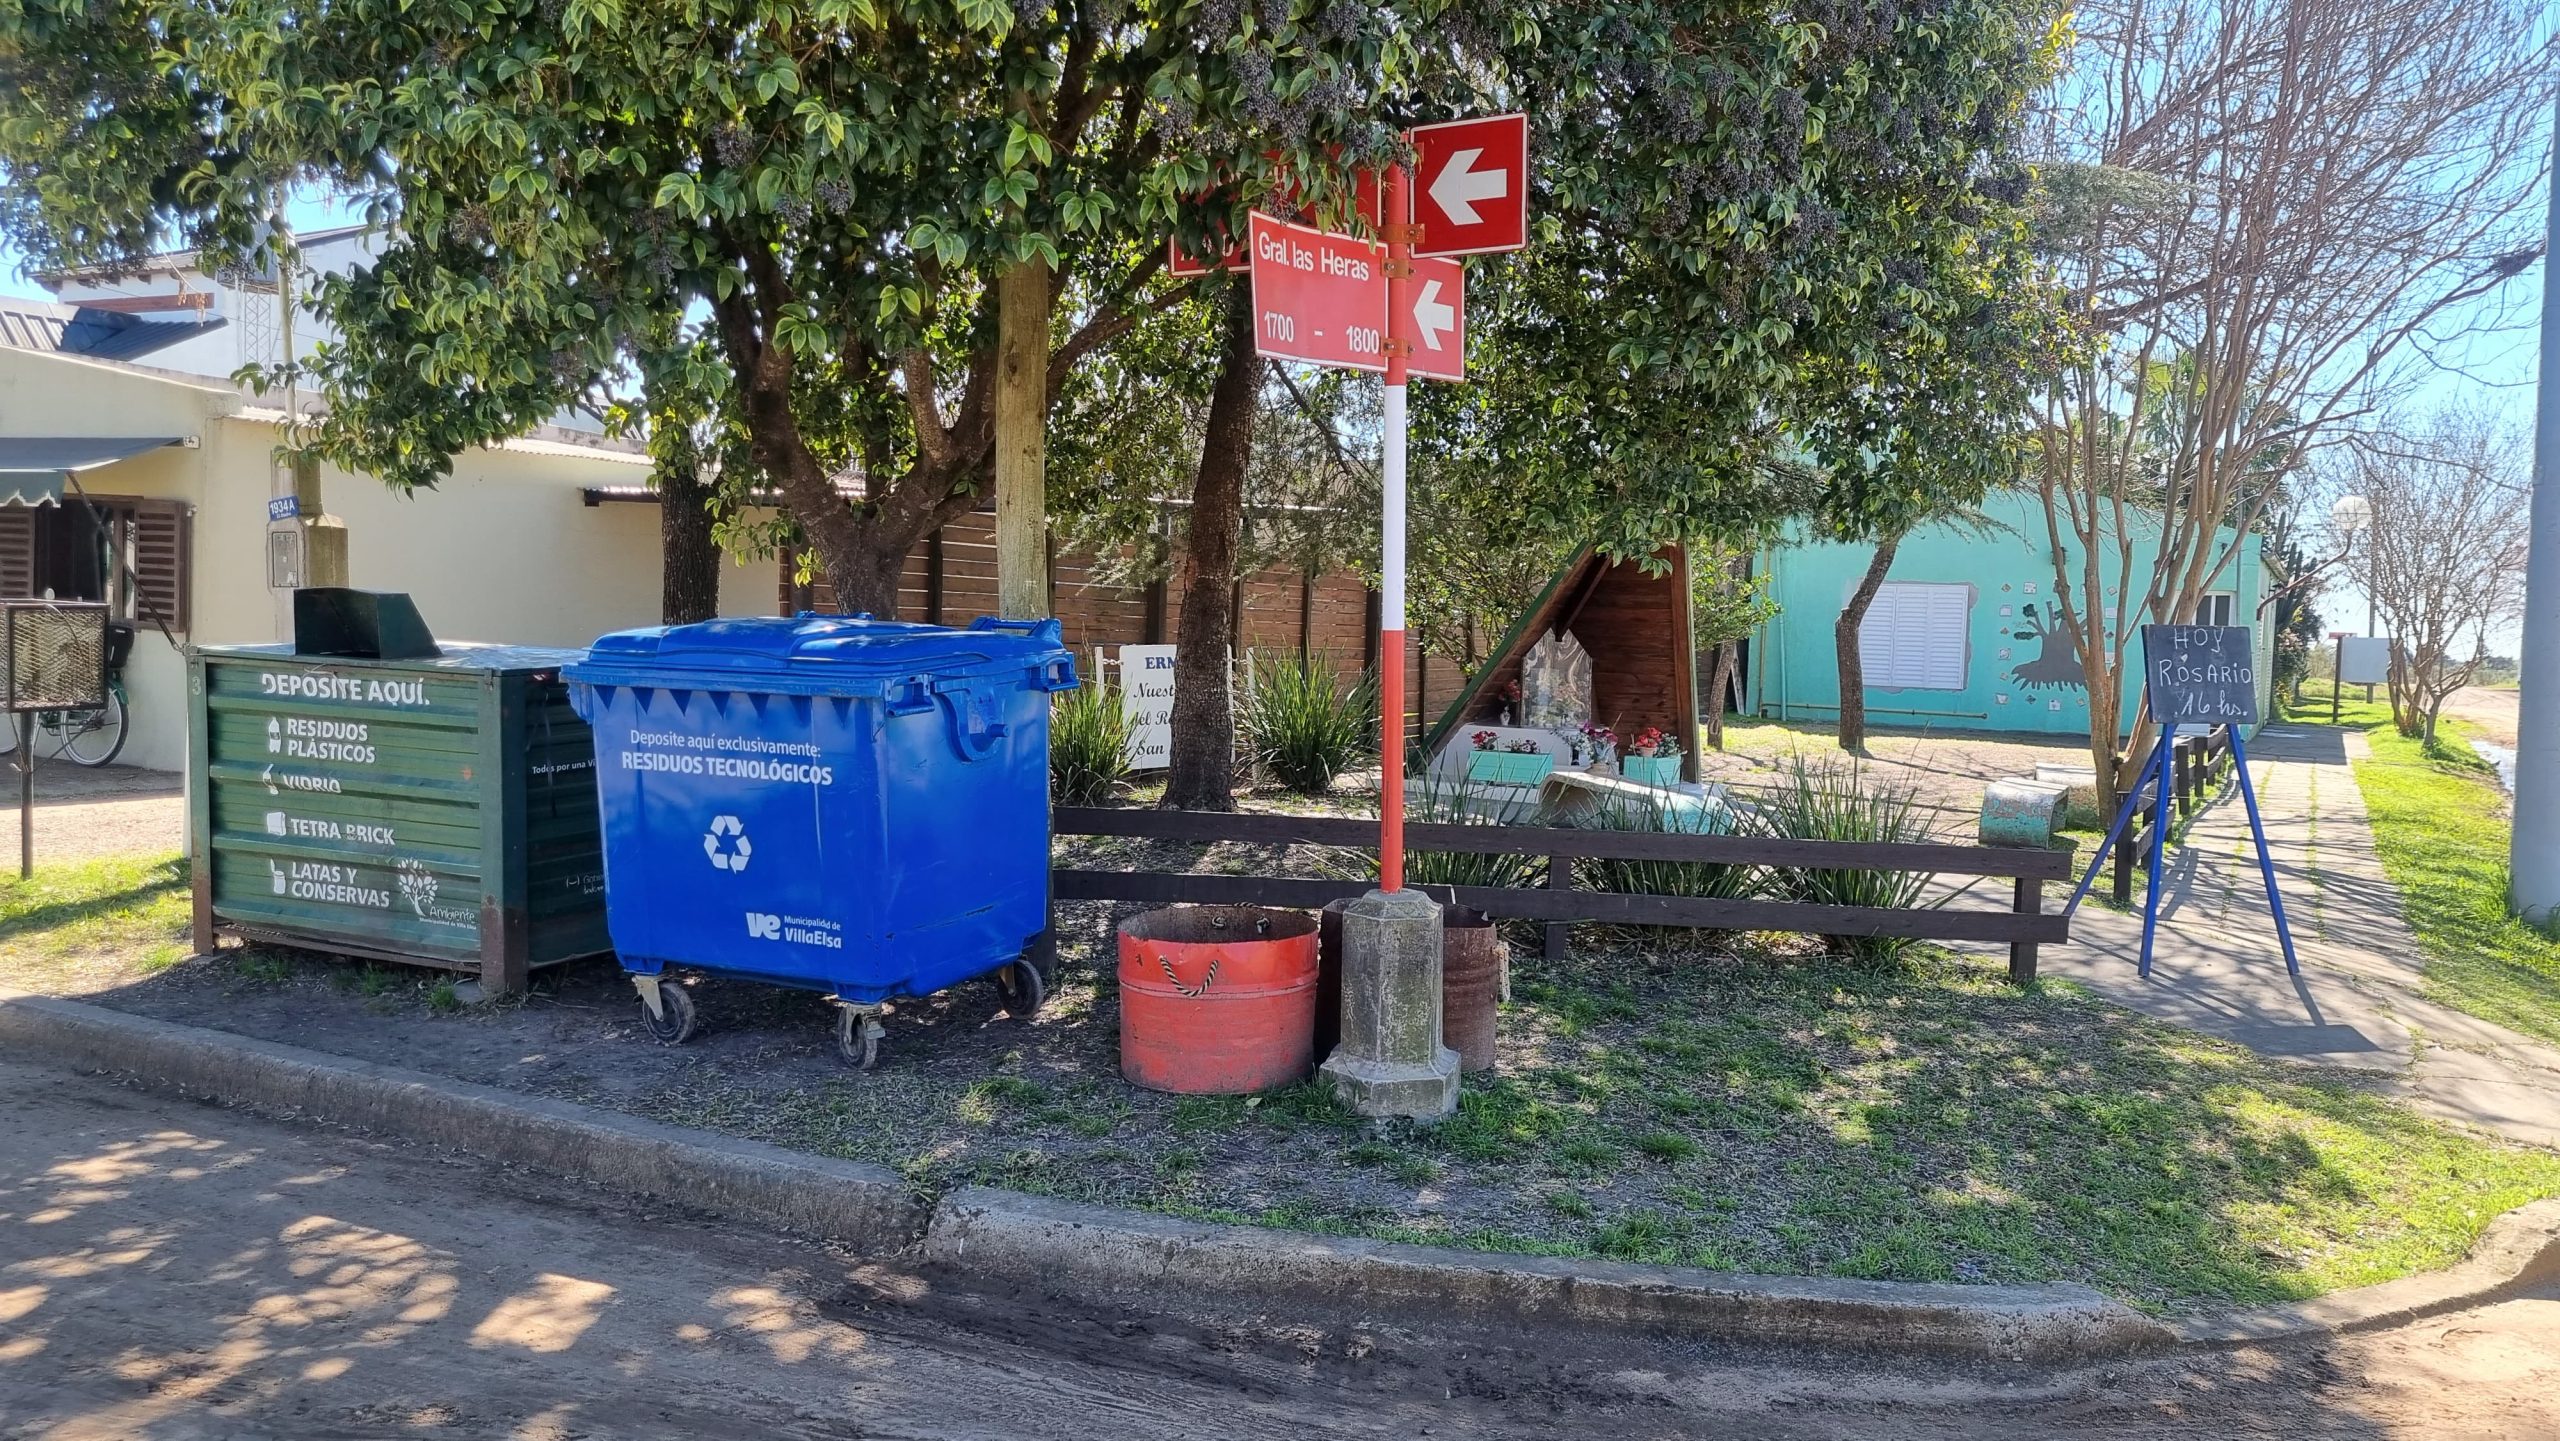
[908, 696]
[1057, 675]
[1048, 629]
[967, 737]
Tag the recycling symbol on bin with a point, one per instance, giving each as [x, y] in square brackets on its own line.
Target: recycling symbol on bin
[727, 844]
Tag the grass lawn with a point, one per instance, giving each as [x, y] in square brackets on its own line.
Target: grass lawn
[1758, 1109]
[2440, 825]
[93, 922]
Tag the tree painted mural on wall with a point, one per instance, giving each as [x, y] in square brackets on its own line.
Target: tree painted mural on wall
[2056, 663]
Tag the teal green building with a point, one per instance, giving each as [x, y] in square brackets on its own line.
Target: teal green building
[1966, 633]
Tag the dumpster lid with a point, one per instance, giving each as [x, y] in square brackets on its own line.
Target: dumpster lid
[823, 654]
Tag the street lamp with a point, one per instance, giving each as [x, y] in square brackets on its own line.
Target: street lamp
[2351, 516]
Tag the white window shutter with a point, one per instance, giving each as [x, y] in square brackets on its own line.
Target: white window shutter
[1914, 636]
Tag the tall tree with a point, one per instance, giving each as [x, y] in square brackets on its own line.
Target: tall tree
[1850, 654]
[1727, 602]
[2448, 541]
[679, 414]
[839, 185]
[1202, 776]
[2261, 209]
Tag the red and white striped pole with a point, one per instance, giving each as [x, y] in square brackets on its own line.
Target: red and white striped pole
[1398, 204]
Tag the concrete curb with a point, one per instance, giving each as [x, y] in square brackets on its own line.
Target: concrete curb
[862, 1205]
[1063, 1246]
[1035, 1241]
[2515, 1253]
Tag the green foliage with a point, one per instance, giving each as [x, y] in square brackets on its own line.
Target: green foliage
[1843, 288]
[1727, 602]
[1759, 229]
[2442, 831]
[1705, 880]
[120, 910]
[1303, 723]
[1832, 800]
[837, 188]
[1445, 798]
[1088, 745]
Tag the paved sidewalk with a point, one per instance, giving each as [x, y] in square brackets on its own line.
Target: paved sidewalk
[2361, 998]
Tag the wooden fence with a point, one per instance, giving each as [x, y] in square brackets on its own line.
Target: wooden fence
[2197, 765]
[2022, 926]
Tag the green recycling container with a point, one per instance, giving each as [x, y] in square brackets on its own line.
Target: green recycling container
[440, 812]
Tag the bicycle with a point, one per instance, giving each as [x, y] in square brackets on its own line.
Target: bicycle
[87, 735]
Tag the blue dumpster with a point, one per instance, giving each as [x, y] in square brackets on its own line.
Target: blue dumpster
[834, 803]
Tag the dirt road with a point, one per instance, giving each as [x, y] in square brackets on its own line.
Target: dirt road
[171, 1272]
[2491, 712]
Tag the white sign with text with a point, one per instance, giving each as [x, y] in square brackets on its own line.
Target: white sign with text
[1146, 698]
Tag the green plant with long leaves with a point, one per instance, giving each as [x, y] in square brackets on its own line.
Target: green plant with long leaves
[1449, 798]
[1701, 880]
[1833, 799]
[1088, 746]
[1304, 724]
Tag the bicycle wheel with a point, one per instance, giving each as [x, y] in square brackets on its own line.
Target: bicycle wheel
[95, 737]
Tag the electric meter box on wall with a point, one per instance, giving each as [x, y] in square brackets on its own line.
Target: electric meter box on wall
[439, 810]
[832, 803]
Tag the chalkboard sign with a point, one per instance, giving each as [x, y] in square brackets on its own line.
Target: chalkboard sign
[2201, 674]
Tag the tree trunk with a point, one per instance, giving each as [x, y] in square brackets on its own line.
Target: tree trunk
[1719, 683]
[1022, 419]
[1844, 634]
[1202, 774]
[689, 588]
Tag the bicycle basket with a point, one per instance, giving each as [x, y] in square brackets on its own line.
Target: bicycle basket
[56, 654]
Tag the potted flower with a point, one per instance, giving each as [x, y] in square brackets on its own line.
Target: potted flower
[1652, 758]
[1521, 763]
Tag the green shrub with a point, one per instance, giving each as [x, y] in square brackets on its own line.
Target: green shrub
[1088, 745]
[1303, 725]
[1832, 801]
[1703, 880]
[1445, 798]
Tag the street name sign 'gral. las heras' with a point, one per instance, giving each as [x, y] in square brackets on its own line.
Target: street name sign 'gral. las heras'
[1321, 297]
[2201, 674]
[1318, 296]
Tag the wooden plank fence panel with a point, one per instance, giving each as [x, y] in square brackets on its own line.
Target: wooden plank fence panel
[1245, 829]
[1544, 904]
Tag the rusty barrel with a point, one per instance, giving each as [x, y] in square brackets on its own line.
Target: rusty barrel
[1471, 961]
[1217, 1000]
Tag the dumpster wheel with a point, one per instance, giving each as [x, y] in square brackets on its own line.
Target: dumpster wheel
[858, 1033]
[1022, 987]
[673, 1022]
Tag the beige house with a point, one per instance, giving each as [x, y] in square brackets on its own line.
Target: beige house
[164, 479]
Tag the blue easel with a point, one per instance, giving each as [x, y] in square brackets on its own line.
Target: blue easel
[2155, 768]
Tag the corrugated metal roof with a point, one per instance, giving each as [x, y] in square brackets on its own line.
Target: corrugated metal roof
[97, 334]
[173, 260]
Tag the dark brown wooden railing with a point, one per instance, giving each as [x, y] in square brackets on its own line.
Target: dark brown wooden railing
[2197, 767]
[2023, 926]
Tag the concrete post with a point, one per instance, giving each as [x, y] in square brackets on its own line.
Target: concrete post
[1390, 1061]
[2534, 854]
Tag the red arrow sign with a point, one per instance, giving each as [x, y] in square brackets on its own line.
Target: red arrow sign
[1318, 296]
[1471, 185]
[1434, 324]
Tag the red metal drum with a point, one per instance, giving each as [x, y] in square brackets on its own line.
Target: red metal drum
[1217, 1000]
